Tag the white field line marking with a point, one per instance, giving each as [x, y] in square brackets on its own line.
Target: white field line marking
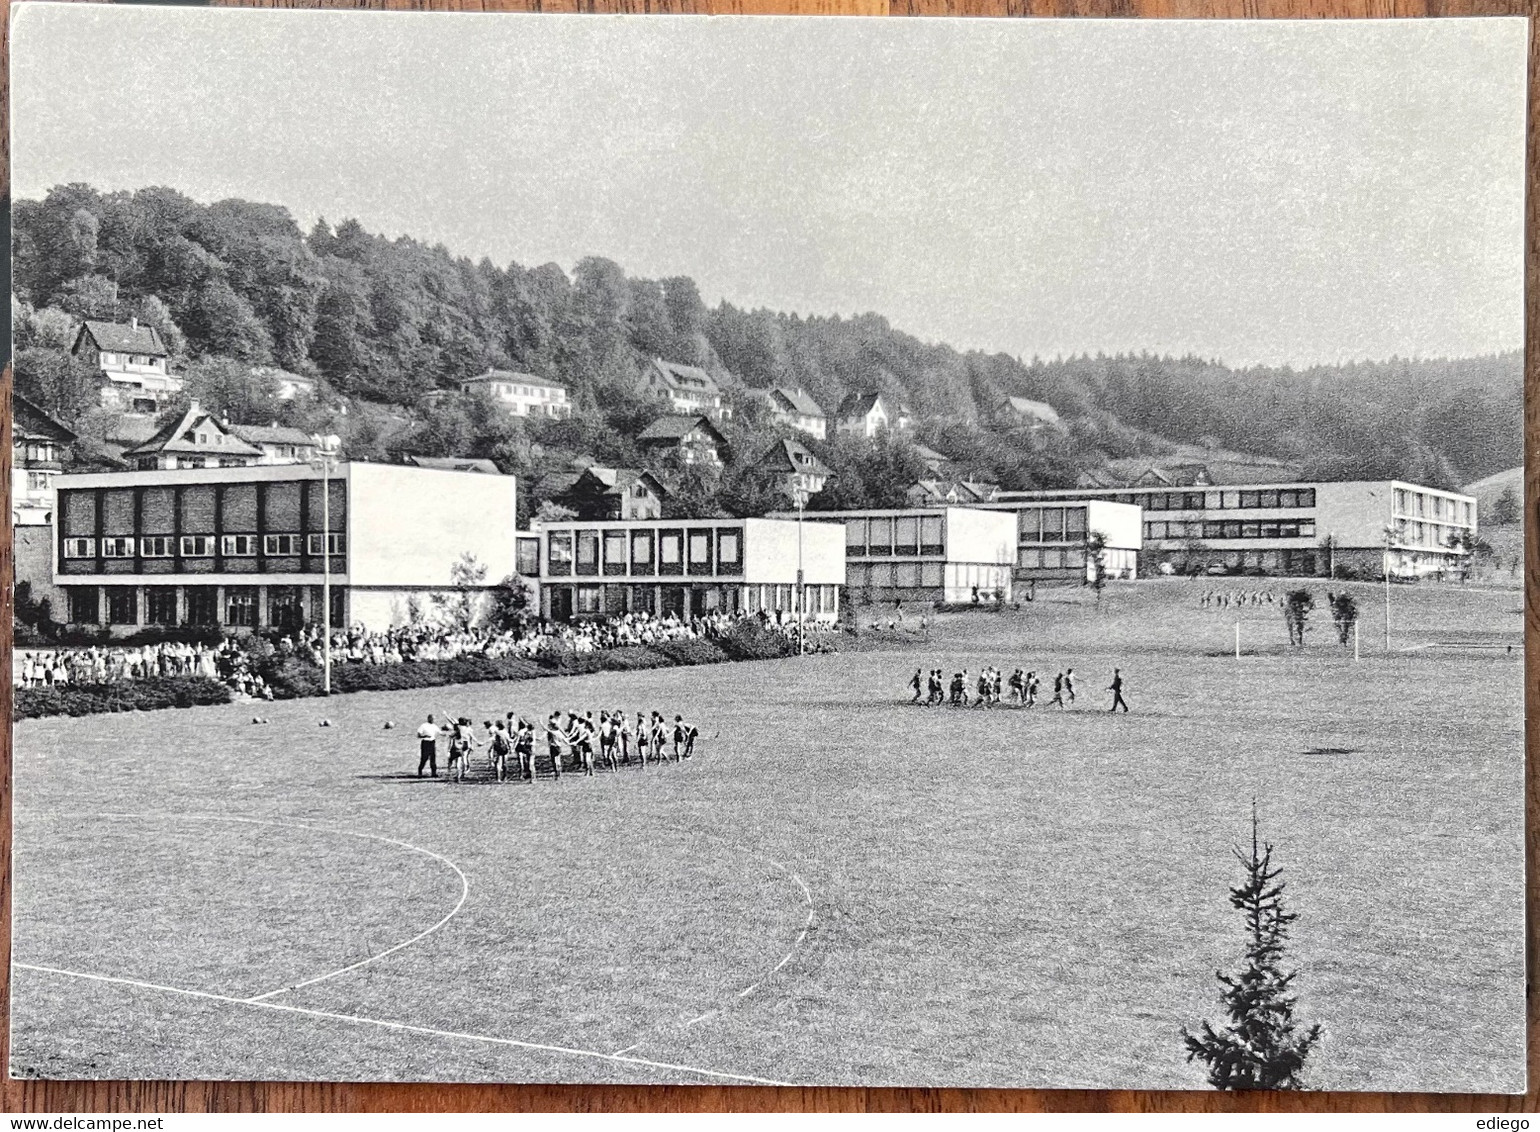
[465, 884]
[406, 1027]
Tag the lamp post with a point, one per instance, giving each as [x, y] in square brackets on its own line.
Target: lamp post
[326, 452]
[801, 587]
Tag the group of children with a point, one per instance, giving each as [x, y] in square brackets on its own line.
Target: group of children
[993, 688]
[1223, 599]
[576, 747]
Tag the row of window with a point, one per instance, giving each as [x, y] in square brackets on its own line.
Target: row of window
[202, 546]
[670, 552]
[200, 605]
[1432, 506]
[1052, 524]
[1236, 500]
[927, 575]
[900, 535]
[1230, 528]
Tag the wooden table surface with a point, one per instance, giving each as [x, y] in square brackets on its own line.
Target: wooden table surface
[193, 1096]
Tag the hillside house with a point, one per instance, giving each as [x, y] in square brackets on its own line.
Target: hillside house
[694, 439]
[39, 446]
[196, 439]
[795, 409]
[522, 394]
[615, 493]
[862, 414]
[688, 390]
[794, 469]
[133, 361]
[278, 443]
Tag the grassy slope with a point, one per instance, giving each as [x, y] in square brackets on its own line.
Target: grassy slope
[1001, 897]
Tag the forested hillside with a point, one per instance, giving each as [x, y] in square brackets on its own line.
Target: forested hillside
[237, 284]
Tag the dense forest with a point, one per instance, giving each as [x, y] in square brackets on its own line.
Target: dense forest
[235, 286]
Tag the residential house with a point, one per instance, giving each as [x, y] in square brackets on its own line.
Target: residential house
[40, 445]
[943, 493]
[795, 470]
[861, 414]
[522, 394]
[453, 464]
[693, 438]
[196, 439]
[278, 443]
[1023, 412]
[689, 390]
[615, 493]
[795, 409]
[133, 361]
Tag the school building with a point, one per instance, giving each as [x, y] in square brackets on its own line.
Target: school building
[685, 567]
[1344, 529]
[1053, 539]
[927, 554]
[247, 547]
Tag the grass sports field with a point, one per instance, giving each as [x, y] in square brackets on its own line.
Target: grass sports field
[839, 888]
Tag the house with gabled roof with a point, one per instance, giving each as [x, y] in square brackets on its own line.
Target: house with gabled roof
[688, 390]
[964, 493]
[278, 443]
[795, 470]
[522, 394]
[39, 446]
[795, 409]
[477, 464]
[694, 439]
[861, 414]
[196, 439]
[615, 493]
[133, 361]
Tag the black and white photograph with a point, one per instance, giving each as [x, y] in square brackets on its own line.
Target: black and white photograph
[768, 550]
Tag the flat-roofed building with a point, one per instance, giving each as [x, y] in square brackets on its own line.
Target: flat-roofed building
[522, 394]
[1353, 528]
[1053, 539]
[245, 547]
[685, 567]
[927, 554]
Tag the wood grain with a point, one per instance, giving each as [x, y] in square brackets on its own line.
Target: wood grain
[120, 1096]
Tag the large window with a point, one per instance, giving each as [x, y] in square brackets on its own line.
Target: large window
[729, 551]
[122, 605]
[197, 546]
[84, 606]
[585, 599]
[700, 553]
[855, 538]
[906, 535]
[80, 548]
[239, 546]
[157, 546]
[281, 546]
[528, 562]
[641, 552]
[559, 553]
[671, 552]
[1053, 524]
[160, 605]
[881, 537]
[284, 608]
[932, 535]
[337, 543]
[117, 548]
[587, 553]
[241, 606]
[615, 553]
[202, 605]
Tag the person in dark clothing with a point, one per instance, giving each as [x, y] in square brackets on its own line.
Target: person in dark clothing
[1116, 688]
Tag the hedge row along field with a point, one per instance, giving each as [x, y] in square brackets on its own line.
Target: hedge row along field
[292, 679]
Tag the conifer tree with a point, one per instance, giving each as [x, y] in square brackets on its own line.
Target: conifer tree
[1261, 1046]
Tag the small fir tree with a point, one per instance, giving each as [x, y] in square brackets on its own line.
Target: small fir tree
[1344, 615]
[1096, 558]
[1297, 605]
[1261, 1047]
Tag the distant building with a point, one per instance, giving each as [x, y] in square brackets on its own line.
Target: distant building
[247, 547]
[522, 394]
[133, 362]
[1023, 412]
[795, 409]
[694, 438]
[795, 470]
[686, 567]
[1322, 528]
[615, 493]
[861, 414]
[278, 443]
[927, 554]
[291, 386]
[39, 447]
[196, 439]
[1053, 539]
[954, 493]
[689, 390]
[476, 464]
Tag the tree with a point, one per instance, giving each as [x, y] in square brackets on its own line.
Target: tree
[1096, 558]
[57, 381]
[1505, 512]
[508, 606]
[1297, 605]
[461, 607]
[549, 512]
[1260, 1047]
[1344, 615]
[230, 389]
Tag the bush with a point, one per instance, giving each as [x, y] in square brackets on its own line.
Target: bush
[749, 640]
[130, 695]
[690, 652]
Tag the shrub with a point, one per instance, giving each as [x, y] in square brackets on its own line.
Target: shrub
[690, 652]
[130, 695]
[749, 640]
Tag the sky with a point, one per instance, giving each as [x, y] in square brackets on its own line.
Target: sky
[1262, 192]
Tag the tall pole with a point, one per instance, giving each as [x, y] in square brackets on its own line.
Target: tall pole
[801, 587]
[326, 574]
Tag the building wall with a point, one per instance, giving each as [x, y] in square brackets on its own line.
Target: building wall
[770, 552]
[954, 552]
[409, 526]
[980, 536]
[32, 551]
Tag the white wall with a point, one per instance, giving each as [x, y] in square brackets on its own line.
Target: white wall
[1122, 523]
[32, 547]
[770, 552]
[980, 536]
[408, 526]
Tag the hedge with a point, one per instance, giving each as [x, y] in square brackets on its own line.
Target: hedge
[129, 695]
